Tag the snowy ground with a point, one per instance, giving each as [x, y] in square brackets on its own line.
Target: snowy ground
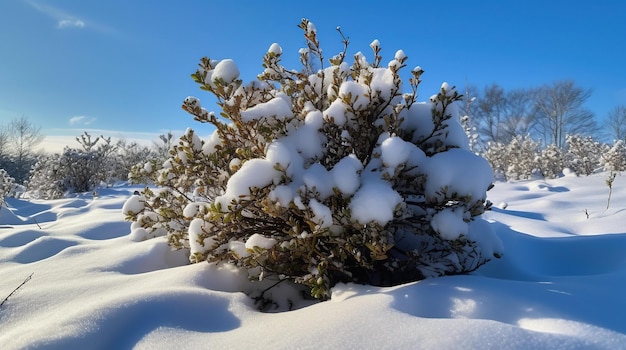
[561, 284]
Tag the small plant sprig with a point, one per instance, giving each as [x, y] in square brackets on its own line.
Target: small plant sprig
[609, 183]
[16, 289]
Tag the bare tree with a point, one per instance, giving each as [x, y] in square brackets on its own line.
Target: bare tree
[23, 137]
[502, 115]
[4, 142]
[561, 111]
[489, 113]
[521, 113]
[616, 123]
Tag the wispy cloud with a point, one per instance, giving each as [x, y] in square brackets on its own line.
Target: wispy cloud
[67, 20]
[70, 23]
[64, 19]
[81, 120]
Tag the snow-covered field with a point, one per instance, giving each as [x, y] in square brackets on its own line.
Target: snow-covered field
[561, 284]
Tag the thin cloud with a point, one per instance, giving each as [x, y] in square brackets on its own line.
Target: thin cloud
[71, 23]
[81, 120]
[66, 20]
[63, 18]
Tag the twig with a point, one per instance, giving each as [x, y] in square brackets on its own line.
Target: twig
[35, 220]
[609, 182]
[15, 290]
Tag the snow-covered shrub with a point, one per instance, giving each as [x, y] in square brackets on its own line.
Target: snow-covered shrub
[583, 154]
[551, 162]
[614, 159]
[81, 169]
[497, 155]
[148, 162]
[522, 154]
[46, 178]
[7, 185]
[323, 176]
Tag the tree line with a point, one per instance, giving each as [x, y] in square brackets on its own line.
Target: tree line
[547, 114]
[94, 161]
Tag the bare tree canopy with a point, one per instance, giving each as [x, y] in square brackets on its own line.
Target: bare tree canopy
[562, 112]
[23, 137]
[501, 115]
[616, 123]
[4, 142]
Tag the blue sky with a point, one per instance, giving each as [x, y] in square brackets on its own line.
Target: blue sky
[123, 66]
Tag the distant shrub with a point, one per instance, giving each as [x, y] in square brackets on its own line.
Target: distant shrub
[320, 176]
[583, 154]
[7, 185]
[46, 178]
[522, 154]
[551, 162]
[496, 153]
[614, 158]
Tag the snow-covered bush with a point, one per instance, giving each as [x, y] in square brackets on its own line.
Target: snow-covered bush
[81, 169]
[7, 185]
[323, 176]
[496, 153]
[614, 159]
[551, 162]
[583, 154]
[522, 154]
[46, 178]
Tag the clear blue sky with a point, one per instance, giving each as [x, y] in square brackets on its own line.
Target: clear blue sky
[120, 65]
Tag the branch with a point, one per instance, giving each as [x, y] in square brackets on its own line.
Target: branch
[15, 290]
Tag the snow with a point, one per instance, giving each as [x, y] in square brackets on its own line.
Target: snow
[395, 151]
[457, 171]
[253, 173]
[375, 201]
[322, 214]
[278, 108]
[135, 204]
[346, 174]
[560, 283]
[275, 49]
[260, 241]
[196, 243]
[356, 93]
[226, 70]
[449, 223]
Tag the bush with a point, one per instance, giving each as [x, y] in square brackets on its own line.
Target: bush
[77, 170]
[318, 177]
[7, 186]
[523, 154]
[496, 153]
[46, 179]
[583, 154]
[551, 162]
[614, 159]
